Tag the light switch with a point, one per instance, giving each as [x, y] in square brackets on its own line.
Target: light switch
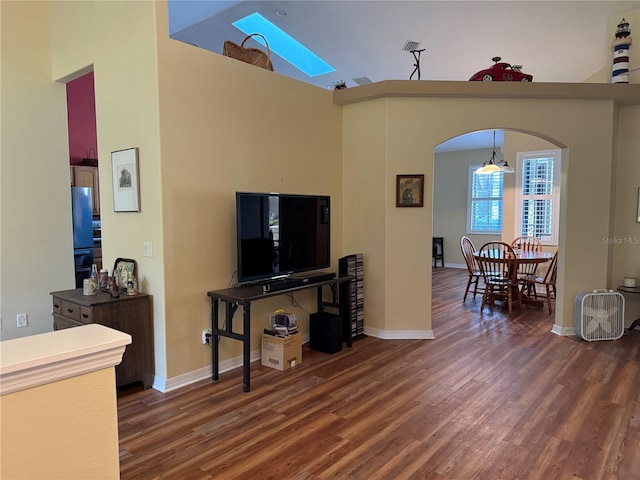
[148, 249]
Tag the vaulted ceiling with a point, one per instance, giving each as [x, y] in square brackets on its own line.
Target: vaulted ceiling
[555, 41]
[365, 41]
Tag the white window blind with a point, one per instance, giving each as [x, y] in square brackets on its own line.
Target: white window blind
[538, 195]
[484, 206]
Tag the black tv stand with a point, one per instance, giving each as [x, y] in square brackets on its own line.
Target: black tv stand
[244, 296]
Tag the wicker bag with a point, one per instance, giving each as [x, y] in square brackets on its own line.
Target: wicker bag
[254, 56]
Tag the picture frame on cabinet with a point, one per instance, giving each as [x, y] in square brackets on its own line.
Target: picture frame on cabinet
[121, 269]
[409, 190]
[126, 186]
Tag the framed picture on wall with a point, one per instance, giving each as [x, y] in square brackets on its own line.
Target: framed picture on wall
[409, 190]
[126, 191]
[638, 213]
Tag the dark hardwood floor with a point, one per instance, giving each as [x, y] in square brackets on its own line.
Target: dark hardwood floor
[494, 396]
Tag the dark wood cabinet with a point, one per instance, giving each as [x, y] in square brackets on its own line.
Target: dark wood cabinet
[129, 314]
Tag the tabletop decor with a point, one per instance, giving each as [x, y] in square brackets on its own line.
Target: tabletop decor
[122, 268]
[501, 72]
[253, 56]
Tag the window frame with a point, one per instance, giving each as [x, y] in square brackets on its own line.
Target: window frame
[554, 196]
[471, 199]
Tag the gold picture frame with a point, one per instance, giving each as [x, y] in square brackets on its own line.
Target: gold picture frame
[409, 190]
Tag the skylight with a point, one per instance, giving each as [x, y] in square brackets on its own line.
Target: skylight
[283, 45]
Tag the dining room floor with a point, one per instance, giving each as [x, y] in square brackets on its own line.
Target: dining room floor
[493, 396]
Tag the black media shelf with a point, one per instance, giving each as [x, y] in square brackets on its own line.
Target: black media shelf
[352, 312]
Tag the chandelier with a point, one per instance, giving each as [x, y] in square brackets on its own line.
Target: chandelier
[495, 165]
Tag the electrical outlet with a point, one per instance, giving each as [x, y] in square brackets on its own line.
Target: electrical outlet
[148, 249]
[21, 320]
[206, 336]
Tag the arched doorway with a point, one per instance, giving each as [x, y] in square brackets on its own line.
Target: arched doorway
[452, 217]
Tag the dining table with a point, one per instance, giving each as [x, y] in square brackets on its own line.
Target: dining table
[526, 257]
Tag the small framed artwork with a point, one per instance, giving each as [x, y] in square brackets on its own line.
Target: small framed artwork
[638, 213]
[409, 190]
[122, 267]
[126, 191]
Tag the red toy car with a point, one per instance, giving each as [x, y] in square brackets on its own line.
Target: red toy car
[502, 72]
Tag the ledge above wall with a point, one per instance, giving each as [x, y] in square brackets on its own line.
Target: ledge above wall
[28, 362]
[622, 94]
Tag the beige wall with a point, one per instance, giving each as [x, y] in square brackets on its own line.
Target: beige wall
[118, 40]
[207, 126]
[415, 126]
[365, 227]
[624, 238]
[225, 127]
[73, 434]
[35, 241]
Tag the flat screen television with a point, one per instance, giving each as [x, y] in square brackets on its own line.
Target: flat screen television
[281, 234]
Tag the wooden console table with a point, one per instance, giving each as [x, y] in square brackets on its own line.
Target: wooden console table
[244, 296]
[622, 288]
[128, 314]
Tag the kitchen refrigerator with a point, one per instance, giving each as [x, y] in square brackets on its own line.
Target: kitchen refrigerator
[82, 217]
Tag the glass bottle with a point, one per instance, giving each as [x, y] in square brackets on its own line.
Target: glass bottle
[93, 277]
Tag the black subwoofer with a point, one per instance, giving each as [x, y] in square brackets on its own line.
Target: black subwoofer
[325, 332]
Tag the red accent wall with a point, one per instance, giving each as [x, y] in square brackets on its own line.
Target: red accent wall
[81, 117]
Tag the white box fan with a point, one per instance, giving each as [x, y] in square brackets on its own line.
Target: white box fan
[600, 315]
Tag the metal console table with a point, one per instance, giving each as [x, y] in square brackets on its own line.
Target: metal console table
[244, 296]
[622, 288]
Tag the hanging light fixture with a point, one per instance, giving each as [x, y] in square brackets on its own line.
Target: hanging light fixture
[506, 168]
[494, 165]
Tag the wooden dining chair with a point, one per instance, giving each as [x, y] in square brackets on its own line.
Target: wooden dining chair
[468, 249]
[548, 281]
[499, 267]
[526, 244]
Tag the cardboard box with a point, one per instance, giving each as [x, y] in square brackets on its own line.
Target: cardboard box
[281, 353]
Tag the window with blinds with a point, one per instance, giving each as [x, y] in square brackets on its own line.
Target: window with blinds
[484, 206]
[538, 195]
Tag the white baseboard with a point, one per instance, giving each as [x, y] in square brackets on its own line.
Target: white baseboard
[201, 373]
[204, 373]
[167, 385]
[455, 265]
[563, 331]
[399, 334]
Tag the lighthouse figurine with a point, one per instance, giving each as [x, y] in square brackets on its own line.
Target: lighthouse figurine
[620, 71]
